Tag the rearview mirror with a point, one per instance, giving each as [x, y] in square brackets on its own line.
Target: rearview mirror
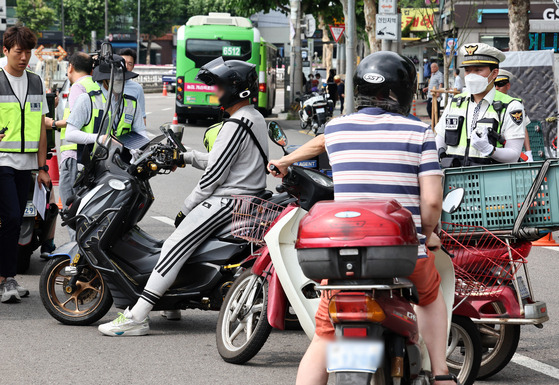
[453, 200]
[276, 134]
[178, 129]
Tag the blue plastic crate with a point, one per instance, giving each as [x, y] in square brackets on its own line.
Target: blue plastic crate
[495, 193]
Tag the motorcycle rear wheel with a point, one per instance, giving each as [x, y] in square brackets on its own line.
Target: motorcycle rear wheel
[501, 341]
[86, 304]
[251, 322]
[463, 355]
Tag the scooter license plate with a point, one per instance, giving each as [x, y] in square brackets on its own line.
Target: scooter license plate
[354, 356]
[30, 210]
[524, 292]
[320, 110]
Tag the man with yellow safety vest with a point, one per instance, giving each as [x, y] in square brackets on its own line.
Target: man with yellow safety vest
[23, 148]
[79, 74]
[481, 125]
[85, 117]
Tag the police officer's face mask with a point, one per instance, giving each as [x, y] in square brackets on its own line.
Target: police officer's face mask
[476, 84]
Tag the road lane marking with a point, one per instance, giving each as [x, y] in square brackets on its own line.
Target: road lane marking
[166, 109]
[538, 366]
[554, 248]
[309, 133]
[166, 220]
[147, 113]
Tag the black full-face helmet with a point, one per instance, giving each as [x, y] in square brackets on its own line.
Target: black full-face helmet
[387, 80]
[237, 78]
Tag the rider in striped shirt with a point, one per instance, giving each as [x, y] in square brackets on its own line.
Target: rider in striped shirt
[378, 152]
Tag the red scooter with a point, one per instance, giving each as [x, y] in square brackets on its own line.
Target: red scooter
[493, 288]
[273, 281]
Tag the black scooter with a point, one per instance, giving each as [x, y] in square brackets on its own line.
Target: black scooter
[112, 257]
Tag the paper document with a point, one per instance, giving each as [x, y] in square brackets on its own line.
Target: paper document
[40, 199]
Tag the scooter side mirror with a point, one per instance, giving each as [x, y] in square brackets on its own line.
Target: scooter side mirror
[276, 134]
[453, 200]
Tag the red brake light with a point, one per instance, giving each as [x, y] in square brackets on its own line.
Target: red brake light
[262, 87]
[355, 307]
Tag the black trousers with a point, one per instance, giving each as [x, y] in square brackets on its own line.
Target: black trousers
[342, 104]
[14, 187]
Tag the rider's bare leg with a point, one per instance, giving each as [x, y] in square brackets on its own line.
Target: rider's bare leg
[432, 322]
[312, 369]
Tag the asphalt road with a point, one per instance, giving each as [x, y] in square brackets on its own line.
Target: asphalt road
[36, 349]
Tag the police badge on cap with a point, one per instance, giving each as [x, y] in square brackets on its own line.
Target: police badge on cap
[480, 54]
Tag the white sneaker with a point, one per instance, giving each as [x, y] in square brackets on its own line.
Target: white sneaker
[171, 315]
[9, 292]
[124, 325]
[23, 292]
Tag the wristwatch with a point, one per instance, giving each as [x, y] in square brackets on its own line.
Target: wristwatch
[44, 168]
[54, 125]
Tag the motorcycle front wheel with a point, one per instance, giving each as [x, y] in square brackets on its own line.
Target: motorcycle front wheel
[83, 303]
[463, 353]
[242, 326]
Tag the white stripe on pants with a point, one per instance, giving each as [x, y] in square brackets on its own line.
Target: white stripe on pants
[195, 228]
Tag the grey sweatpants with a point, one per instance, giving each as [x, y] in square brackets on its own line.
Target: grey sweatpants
[195, 228]
[68, 175]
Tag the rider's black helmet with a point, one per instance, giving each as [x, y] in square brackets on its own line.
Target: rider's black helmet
[238, 79]
[387, 80]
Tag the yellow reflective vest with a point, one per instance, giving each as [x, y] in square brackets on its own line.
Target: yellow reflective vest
[89, 85]
[23, 124]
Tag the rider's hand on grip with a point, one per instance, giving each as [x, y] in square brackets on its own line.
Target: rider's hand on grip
[180, 217]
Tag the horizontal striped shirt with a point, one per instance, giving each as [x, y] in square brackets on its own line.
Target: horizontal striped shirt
[380, 155]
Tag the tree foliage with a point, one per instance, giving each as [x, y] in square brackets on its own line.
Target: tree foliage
[84, 16]
[35, 14]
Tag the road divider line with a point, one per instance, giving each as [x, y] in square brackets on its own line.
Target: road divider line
[147, 113]
[166, 109]
[554, 248]
[166, 220]
[538, 366]
[306, 132]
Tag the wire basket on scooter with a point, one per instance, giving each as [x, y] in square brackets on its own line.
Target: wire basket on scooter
[484, 264]
[252, 217]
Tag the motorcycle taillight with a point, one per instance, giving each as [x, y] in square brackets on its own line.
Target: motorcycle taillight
[354, 307]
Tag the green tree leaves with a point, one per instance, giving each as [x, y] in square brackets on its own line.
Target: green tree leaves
[35, 14]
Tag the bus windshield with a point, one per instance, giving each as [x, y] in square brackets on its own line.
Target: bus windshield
[202, 51]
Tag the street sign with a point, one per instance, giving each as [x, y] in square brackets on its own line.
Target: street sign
[59, 54]
[387, 7]
[388, 27]
[337, 31]
[310, 25]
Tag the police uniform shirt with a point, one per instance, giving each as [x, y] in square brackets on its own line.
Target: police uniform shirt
[21, 161]
[80, 116]
[512, 127]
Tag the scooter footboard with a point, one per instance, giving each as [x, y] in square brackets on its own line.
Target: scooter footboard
[281, 245]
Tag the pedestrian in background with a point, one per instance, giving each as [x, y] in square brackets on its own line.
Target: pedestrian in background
[309, 84]
[341, 91]
[79, 74]
[23, 148]
[426, 70]
[436, 81]
[332, 86]
[132, 88]
[458, 83]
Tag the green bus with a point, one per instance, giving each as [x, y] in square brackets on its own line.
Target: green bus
[205, 38]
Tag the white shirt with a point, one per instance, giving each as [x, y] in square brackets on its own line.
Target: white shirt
[21, 161]
[458, 84]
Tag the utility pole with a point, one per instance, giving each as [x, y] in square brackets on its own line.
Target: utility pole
[350, 57]
[138, 36]
[106, 20]
[296, 60]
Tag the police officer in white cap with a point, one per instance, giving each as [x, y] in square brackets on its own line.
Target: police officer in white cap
[502, 84]
[481, 125]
